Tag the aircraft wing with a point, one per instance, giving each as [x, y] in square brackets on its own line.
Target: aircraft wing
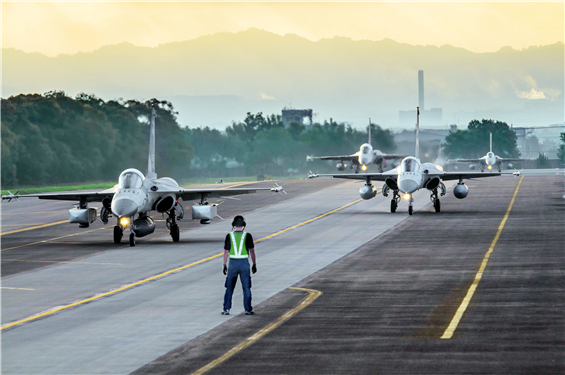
[392, 156]
[510, 159]
[194, 194]
[86, 196]
[363, 176]
[344, 157]
[447, 176]
[466, 160]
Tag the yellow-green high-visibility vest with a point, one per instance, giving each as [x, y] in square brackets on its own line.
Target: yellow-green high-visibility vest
[238, 252]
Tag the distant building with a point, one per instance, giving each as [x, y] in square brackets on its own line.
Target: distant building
[295, 115]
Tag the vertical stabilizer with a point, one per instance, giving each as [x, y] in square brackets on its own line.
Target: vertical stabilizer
[151, 162]
[490, 142]
[369, 131]
[417, 152]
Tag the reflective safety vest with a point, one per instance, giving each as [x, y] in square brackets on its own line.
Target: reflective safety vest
[238, 252]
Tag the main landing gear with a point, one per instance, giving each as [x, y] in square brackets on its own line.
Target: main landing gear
[174, 229]
[394, 201]
[118, 234]
[435, 200]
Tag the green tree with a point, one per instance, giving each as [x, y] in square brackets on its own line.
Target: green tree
[543, 161]
[474, 142]
[560, 151]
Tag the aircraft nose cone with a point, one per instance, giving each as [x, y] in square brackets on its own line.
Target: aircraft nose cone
[124, 207]
[408, 186]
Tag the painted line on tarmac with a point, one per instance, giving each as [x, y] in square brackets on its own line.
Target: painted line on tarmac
[312, 295]
[152, 278]
[461, 310]
[53, 239]
[239, 184]
[58, 261]
[7, 287]
[32, 213]
[34, 227]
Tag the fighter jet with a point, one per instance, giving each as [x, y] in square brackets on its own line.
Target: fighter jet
[136, 194]
[490, 160]
[412, 175]
[365, 156]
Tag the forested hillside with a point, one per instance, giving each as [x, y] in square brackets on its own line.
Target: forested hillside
[56, 139]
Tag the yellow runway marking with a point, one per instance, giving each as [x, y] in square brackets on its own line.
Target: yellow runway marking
[34, 227]
[312, 295]
[461, 310]
[240, 184]
[6, 287]
[128, 286]
[57, 261]
[53, 239]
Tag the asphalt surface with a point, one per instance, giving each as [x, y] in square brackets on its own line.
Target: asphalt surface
[385, 306]
[391, 283]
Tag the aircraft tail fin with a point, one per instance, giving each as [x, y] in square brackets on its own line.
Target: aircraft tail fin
[151, 160]
[369, 131]
[490, 142]
[417, 151]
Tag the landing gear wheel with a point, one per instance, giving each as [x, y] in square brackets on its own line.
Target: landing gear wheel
[132, 239]
[175, 232]
[118, 234]
[409, 210]
[437, 205]
[393, 206]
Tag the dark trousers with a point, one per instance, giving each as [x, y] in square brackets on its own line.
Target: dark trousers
[238, 267]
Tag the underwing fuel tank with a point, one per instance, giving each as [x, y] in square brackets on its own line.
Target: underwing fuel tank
[367, 192]
[461, 190]
[143, 227]
[82, 216]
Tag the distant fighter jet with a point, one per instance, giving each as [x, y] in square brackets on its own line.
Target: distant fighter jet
[365, 156]
[489, 161]
[410, 176]
[136, 194]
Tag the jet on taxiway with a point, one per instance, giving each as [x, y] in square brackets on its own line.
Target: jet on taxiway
[365, 156]
[138, 195]
[412, 175]
[489, 161]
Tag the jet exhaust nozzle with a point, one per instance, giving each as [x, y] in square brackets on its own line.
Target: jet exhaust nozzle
[341, 166]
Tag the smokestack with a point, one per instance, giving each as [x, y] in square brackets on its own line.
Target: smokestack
[421, 89]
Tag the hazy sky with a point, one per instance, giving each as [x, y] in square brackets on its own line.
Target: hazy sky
[60, 27]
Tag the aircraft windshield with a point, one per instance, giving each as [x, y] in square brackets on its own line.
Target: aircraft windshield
[410, 165]
[130, 180]
[365, 149]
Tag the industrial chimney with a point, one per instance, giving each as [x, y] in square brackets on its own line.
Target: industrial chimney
[421, 89]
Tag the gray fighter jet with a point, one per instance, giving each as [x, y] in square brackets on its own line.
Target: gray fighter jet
[490, 160]
[365, 156]
[136, 194]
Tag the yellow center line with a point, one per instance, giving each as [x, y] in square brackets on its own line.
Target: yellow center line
[155, 277]
[240, 184]
[312, 295]
[53, 239]
[34, 227]
[461, 310]
[57, 261]
[6, 287]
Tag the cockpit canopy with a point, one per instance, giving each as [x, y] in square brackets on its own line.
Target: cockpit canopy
[131, 179]
[365, 149]
[409, 165]
[490, 154]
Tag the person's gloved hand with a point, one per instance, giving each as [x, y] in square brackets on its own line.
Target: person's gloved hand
[225, 269]
[254, 268]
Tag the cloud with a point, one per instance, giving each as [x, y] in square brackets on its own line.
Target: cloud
[533, 94]
[266, 97]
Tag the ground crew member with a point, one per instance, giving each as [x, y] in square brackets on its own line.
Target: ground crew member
[238, 247]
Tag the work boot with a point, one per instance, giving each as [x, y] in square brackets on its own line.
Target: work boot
[225, 312]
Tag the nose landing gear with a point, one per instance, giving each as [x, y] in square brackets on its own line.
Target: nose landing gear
[394, 201]
[118, 234]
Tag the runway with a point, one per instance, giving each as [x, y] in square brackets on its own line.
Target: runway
[391, 284]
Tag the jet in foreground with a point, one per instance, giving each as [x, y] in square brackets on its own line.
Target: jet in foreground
[490, 160]
[136, 194]
[365, 156]
[412, 175]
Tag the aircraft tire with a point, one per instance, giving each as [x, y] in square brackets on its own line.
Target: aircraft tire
[409, 210]
[118, 234]
[393, 206]
[437, 205]
[132, 239]
[175, 232]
